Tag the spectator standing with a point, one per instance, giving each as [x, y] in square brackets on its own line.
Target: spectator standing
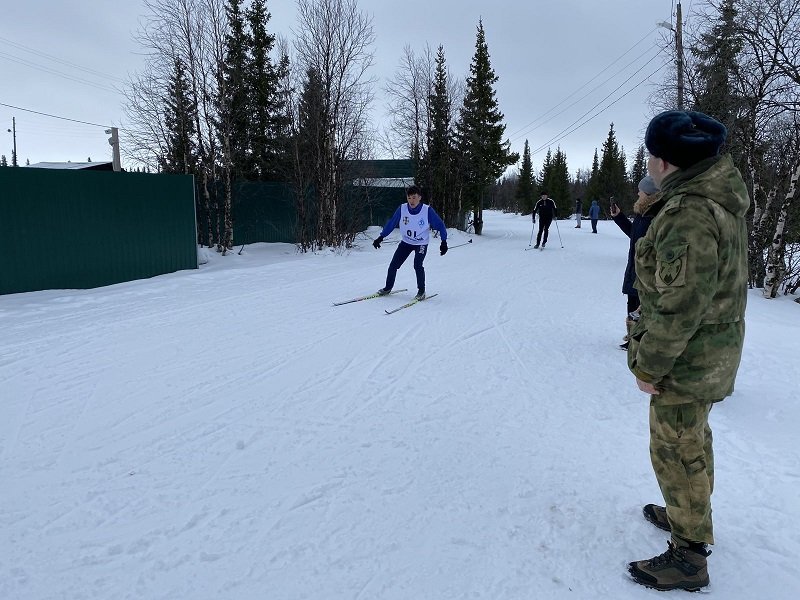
[634, 230]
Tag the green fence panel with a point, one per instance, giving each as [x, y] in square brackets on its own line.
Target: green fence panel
[65, 229]
[263, 212]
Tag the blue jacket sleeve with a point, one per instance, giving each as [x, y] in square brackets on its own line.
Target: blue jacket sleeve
[391, 223]
[435, 221]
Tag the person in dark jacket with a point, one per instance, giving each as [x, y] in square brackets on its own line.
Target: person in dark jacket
[578, 213]
[594, 214]
[635, 230]
[546, 209]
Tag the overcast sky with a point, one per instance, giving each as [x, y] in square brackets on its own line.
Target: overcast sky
[555, 62]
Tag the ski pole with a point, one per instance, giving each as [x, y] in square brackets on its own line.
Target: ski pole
[532, 227]
[559, 233]
[459, 245]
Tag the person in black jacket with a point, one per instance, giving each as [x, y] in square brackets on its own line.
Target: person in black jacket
[546, 209]
[648, 194]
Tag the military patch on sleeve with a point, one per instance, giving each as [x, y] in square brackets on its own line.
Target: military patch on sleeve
[671, 269]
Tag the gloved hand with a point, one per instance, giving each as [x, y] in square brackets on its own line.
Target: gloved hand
[377, 242]
[443, 248]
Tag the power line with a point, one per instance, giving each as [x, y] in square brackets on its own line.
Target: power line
[61, 60]
[36, 112]
[563, 110]
[567, 131]
[515, 135]
[28, 63]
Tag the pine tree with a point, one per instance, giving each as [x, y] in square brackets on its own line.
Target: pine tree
[594, 180]
[437, 164]
[233, 100]
[526, 184]
[479, 132]
[717, 51]
[547, 172]
[638, 170]
[180, 154]
[611, 177]
[310, 147]
[3, 161]
[559, 183]
[268, 121]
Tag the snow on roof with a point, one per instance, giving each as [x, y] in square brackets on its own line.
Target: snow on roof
[384, 182]
[69, 165]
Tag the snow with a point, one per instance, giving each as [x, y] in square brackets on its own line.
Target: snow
[226, 433]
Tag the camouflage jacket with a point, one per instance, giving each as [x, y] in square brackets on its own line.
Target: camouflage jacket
[691, 269]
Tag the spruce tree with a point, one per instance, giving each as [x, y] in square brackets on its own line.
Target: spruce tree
[233, 101]
[310, 144]
[638, 169]
[717, 51]
[546, 175]
[3, 161]
[437, 164]
[479, 132]
[559, 183]
[268, 121]
[180, 111]
[594, 180]
[611, 177]
[526, 184]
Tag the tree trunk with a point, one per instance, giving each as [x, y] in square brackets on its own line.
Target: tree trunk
[776, 267]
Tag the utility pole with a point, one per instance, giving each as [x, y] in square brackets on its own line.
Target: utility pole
[14, 153]
[114, 143]
[679, 53]
[678, 31]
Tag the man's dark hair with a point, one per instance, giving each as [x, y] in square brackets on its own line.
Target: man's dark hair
[413, 190]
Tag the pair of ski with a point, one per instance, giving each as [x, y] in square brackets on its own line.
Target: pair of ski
[534, 248]
[376, 295]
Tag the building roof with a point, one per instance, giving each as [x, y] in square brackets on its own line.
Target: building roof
[95, 166]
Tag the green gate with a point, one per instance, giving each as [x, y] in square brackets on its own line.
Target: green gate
[82, 229]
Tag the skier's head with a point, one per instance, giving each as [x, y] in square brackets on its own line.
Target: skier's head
[414, 196]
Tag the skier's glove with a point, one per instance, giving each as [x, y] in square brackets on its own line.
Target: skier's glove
[443, 248]
[377, 242]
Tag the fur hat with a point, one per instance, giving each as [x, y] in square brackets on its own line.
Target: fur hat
[648, 186]
[683, 138]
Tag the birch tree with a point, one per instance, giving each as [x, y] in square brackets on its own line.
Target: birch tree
[335, 41]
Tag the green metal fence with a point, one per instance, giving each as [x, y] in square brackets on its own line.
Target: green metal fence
[67, 229]
[83, 229]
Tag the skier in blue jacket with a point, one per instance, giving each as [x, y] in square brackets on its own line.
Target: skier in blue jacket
[415, 220]
[594, 214]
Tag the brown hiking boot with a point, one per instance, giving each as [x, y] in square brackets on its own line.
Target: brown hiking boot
[681, 567]
[657, 515]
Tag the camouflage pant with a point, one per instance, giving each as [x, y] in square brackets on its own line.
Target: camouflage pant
[683, 461]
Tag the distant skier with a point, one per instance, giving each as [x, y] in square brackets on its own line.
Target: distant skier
[594, 214]
[415, 220]
[546, 209]
[578, 213]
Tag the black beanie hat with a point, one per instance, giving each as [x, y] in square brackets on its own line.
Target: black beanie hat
[683, 138]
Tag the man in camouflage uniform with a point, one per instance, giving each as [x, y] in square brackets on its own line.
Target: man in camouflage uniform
[685, 349]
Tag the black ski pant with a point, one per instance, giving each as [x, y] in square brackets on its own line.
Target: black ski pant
[400, 256]
[544, 227]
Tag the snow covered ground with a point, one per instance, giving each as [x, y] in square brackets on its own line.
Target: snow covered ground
[226, 433]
